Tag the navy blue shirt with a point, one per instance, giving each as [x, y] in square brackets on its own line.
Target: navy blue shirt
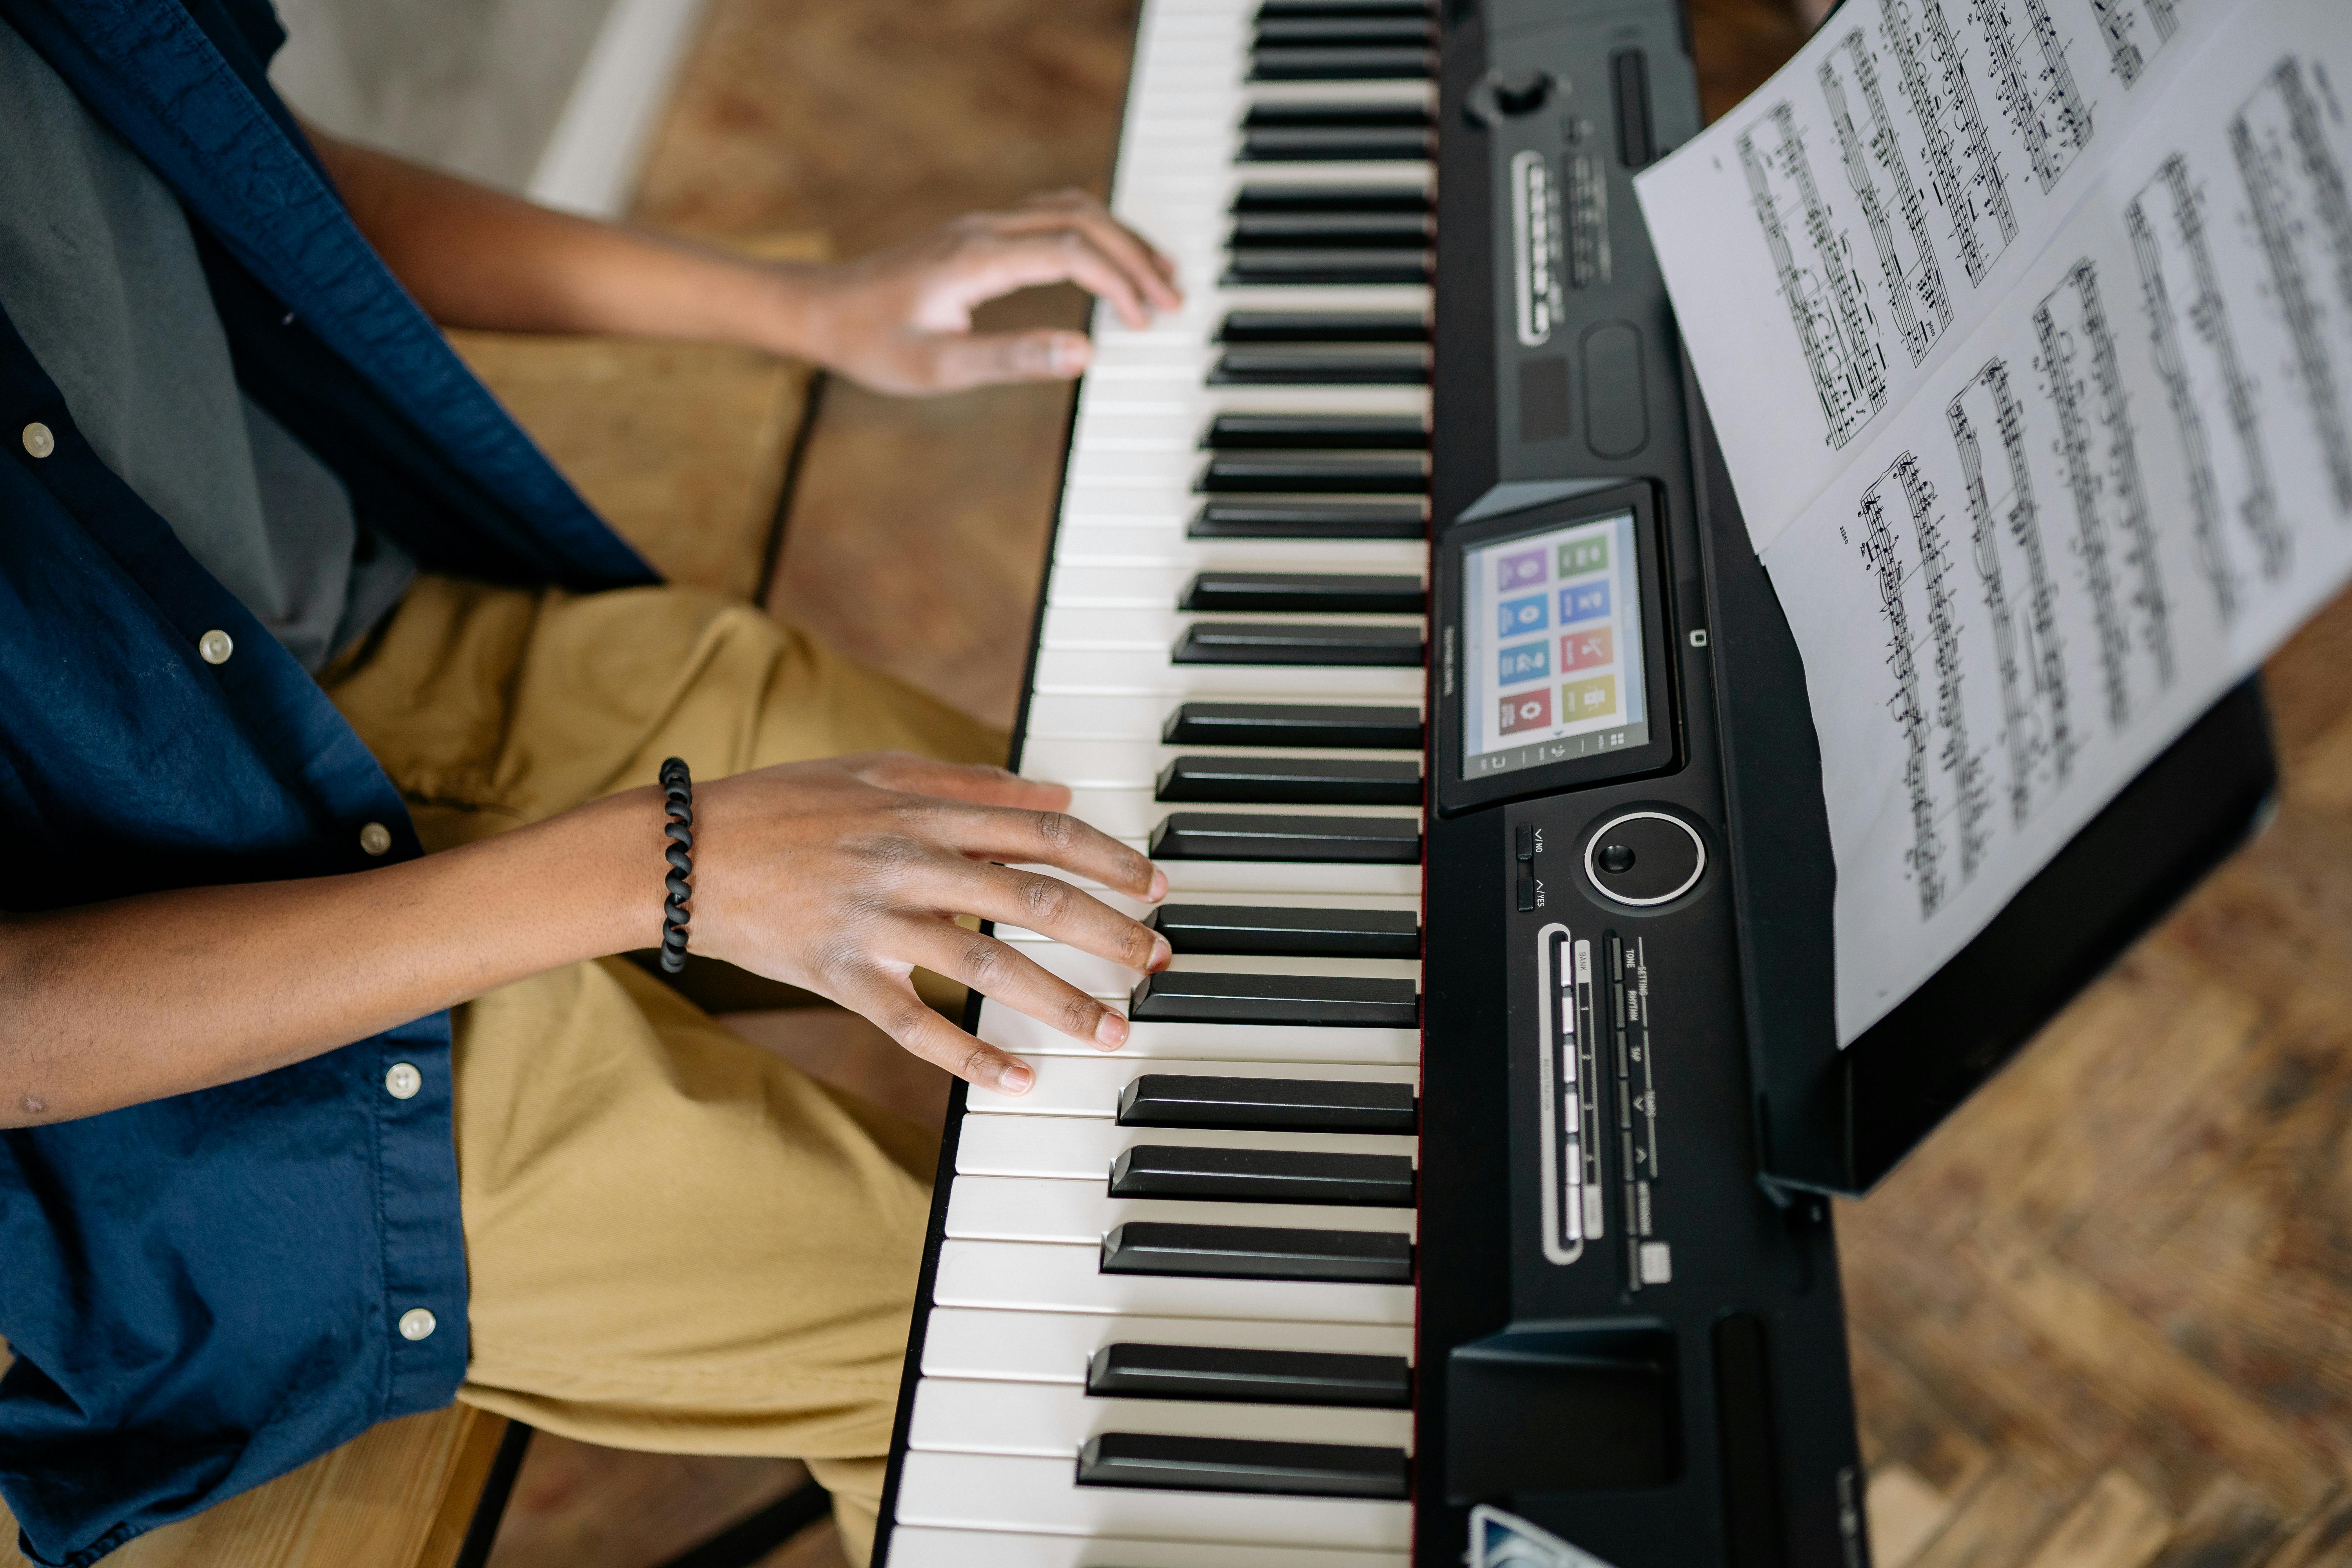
[207, 1291]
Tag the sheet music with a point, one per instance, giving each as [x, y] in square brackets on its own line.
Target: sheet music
[2063, 453]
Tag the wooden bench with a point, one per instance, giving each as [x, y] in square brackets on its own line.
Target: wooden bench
[688, 450]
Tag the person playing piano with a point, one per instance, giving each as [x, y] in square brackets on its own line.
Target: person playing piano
[329, 722]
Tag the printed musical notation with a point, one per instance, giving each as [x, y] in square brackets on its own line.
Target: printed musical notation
[2295, 187]
[2091, 499]
[1912, 277]
[1822, 295]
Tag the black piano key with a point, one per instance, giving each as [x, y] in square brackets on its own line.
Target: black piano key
[1337, 145]
[1350, 231]
[1325, 432]
[1263, 1176]
[1267, 1104]
[1346, 32]
[1244, 1465]
[1366, 265]
[1258, 1252]
[1324, 327]
[1311, 62]
[1322, 1001]
[1274, 198]
[1234, 1375]
[1344, 841]
[1274, 8]
[1315, 364]
[1292, 781]
[1309, 590]
[1289, 724]
[1228, 929]
[1303, 642]
[1315, 473]
[1310, 520]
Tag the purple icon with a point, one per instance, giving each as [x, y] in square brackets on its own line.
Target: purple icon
[1518, 570]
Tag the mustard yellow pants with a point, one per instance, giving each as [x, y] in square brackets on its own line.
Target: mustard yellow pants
[676, 1242]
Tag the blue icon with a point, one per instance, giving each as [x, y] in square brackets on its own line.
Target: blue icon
[1529, 661]
[1585, 602]
[1521, 616]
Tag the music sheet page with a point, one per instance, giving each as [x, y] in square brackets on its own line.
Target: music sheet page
[2027, 327]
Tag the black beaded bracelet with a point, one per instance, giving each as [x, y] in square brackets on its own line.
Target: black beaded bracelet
[677, 799]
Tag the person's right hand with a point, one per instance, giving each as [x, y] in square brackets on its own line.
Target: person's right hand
[843, 876]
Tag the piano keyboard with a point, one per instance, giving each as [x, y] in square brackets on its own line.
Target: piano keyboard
[1173, 1308]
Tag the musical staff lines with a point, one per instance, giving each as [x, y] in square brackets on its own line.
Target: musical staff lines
[2029, 654]
[2050, 119]
[2294, 191]
[1833, 322]
[1943, 105]
[1884, 558]
[2102, 464]
[1902, 277]
[2201, 369]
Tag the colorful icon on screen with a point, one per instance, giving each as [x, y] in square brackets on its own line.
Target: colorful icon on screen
[1587, 650]
[1519, 617]
[1579, 556]
[1527, 661]
[1585, 602]
[1594, 699]
[1518, 570]
[1527, 711]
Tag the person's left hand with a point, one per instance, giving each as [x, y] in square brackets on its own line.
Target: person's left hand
[900, 319]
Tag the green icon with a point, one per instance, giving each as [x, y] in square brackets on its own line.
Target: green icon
[1579, 555]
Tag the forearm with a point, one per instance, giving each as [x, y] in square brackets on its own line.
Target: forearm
[477, 258]
[121, 1002]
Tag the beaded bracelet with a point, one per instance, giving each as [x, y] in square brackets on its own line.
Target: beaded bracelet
[677, 799]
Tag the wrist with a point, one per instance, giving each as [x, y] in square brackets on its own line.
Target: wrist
[787, 316]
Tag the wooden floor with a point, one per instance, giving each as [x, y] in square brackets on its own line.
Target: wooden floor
[2101, 1320]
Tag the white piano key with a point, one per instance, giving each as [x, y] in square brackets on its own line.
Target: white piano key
[1280, 898]
[1155, 1042]
[1055, 1347]
[1049, 1421]
[1146, 586]
[1145, 628]
[1091, 1085]
[926, 1547]
[1081, 1149]
[1167, 548]
[989, 1491]
[1102, 978]
[1052, 1277]
[1144, 671]
[1133, 812]
[1259, 875]
[1096, 764]
[1069, 716]
[1025, 1208]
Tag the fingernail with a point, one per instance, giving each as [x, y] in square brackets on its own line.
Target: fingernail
[1015, 1078]
[1070, 353]
[1159, 885]
[1160, 953]
[1111, 1033]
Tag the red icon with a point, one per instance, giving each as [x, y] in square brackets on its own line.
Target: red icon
[1527, 711]
[1583, 651]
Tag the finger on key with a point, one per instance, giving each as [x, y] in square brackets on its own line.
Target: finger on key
[1051, 838]
[891, 1004]
[1153, 272]
[1062, 910]
[1002, 974]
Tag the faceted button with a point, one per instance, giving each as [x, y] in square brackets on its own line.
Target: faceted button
[215, 645]
[417, 1324]
[39, 439]
[375, 839]
[403, 1081]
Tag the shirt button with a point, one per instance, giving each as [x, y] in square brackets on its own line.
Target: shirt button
[39, 439]
[215, 645]
[375, 839]
[417, 1324]
[402, 1082]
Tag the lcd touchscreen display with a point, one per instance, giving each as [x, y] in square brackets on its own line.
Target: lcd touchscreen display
[1553, 640]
